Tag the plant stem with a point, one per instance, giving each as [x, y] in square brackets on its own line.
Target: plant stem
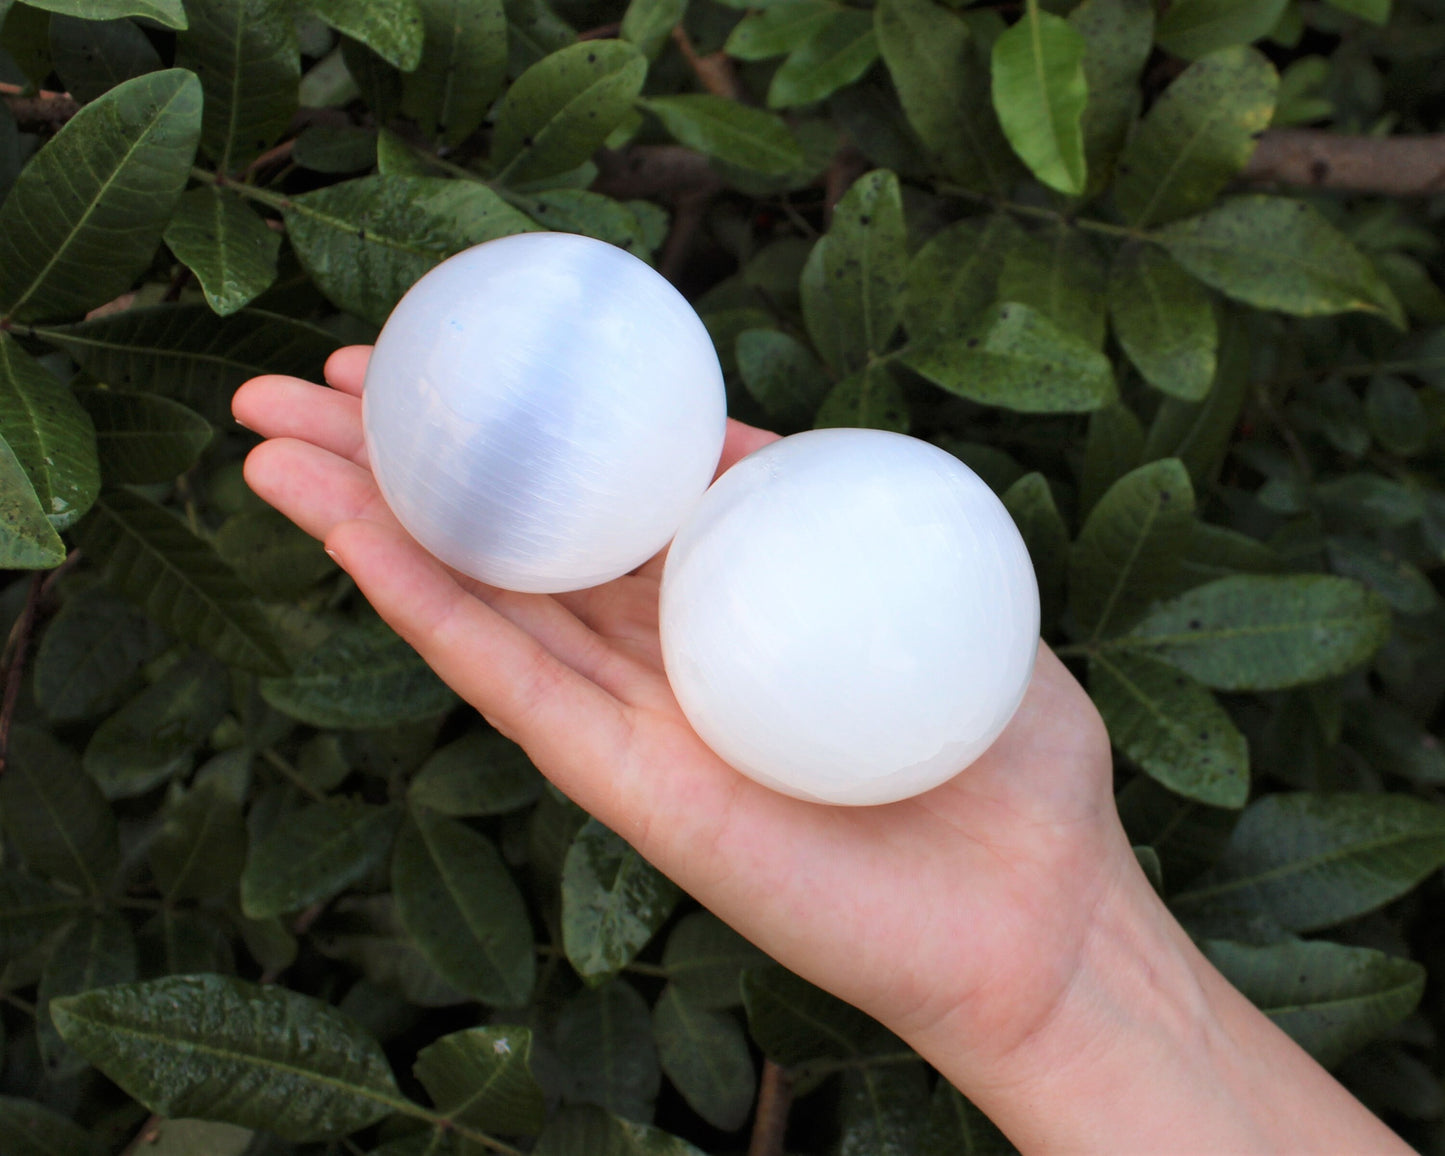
[263, 196]
[290, 772]
[1088, 224]
[770, 1121]
[12, 663]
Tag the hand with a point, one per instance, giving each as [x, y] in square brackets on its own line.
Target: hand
[998, 923]
[971, 900]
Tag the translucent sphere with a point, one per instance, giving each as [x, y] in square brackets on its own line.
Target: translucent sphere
[849, 616]
[542, 411]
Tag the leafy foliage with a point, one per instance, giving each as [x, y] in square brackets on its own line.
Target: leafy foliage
[259, 862]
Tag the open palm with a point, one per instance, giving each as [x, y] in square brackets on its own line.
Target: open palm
[962, 911]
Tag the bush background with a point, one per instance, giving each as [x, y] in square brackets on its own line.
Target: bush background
[1164, 275]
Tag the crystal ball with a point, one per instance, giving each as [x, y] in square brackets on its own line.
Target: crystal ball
[542, 411]
[849, 616]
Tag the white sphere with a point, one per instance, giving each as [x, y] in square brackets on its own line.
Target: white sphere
[849, 616]
[542, 411]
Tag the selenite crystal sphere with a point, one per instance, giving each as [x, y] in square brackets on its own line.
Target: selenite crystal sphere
[849, 616]
[542, 411]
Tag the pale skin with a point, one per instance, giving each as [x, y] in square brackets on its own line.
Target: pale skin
[999, 923]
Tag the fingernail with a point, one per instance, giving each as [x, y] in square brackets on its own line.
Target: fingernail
[332, 554]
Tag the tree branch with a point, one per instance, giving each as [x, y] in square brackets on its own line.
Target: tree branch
[1396, 166]
[40, 112]
[770, 1121]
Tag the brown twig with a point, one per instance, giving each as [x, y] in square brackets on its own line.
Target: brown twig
[601, 32]
[12, 662]
[714, 71]
[848, 165]
[1397, 166]
[149, 1133]
[39, 111]
[688, 211]
[654, 170]
[770, 1121]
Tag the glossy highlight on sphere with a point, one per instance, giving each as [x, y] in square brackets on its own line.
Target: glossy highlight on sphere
[542, 411]
[849, 616]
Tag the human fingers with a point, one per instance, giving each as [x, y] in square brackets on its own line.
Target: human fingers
[312, 486]
[275, 406]
[740, 441]
[346, 368]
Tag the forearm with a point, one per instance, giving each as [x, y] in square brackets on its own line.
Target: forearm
[1151, 1050]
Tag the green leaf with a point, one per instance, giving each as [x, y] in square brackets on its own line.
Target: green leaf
[273, 556]
[365, 932]
[313, 854]
[1171, 727]
[1165, 321]
[1264, 632]
[941, 73]
[1397, 416]
[30, 911]
[481, 773]
[1218, 552]
[391, 28]
[156, 735]
[883, 1107]
[604, 1040]
[97, 951]
[91, 655]
[1058, 272]
[458, 900]
[226, 245]
[954, 276]
[28, 540]
[186, 352]
[1039, 93]
[31, 1129]
[1187, 837]
[1112, 448]
[870, 398]
[704, 959]
[1328, 997]
[588, 213]
[705, 1054]
[482, 1077]
[177, 579]
[200, 849]
[1393, 742]
[197, 1138]
[168, 13]
[1375, 11]
[361, 676]
[463, 65]
[50, 434]
[1193, 28]
[1118, 37]
[55, 815]
[557, 113]
[222, 1049]
[1197, 138]
[534, 31]
[648, 23]
[143, 439]
[1275, 253]
[613, 902]
[367, 241]
[1129, 548]
[1400, 583]
[837, 53]
[782, 375]
[1014, 357]
[957, 1128]
[93, 56]
[595, 1131]
[1306, 861]
[777, 29]
[245, 53]
[864, 262]
[1030, 503]
[729, 131]
[794, 1022]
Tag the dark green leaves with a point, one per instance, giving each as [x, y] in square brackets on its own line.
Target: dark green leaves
[313, 854]
[1330, 998]
[91, 656]
[200, 849]
[613, 901]
[177, 579]
[360, 676]
[392, 29]
[1191, 28]
[481, 773]
[34, 1130]
[1257, 632]
[1303, 862]
[838, 52]
[141, 438]
[1274, 253]
[557, 112]
[782, 375]
[1197, 137]
[482, 1077]
[705, 1054]
[167, 13]
[221, 1049]
[1165, 321]
[459, 903]
[55, 815]
[28, 541]
[604, 1038]
[30, 911]
[1012, 356]
[87, 213]
[464, 58]
[728, 130]
[1128, 551]
[1039, 93]
[227, 246]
